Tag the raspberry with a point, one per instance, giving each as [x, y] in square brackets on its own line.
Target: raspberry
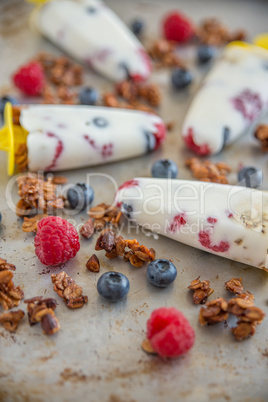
[177, 27]
[30, 79]
[56, 241]
[169, 332]
[201, 150]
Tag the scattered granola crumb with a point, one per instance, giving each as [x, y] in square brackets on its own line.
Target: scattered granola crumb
[87, 230]
[116, 246]
[201, 290]
[163, 52]
[37, 194]
[68, 290]
[214, 33]
[42, 310]
[208, 171]
[234, 285]
[11, 320]
[59, 180]
[147, 347]
[4, 265]
[62, 74]
[105, 215]
[249, 316]
[215, 312]
[261, 134]
[10, 295]
[170, 125]
[93, 264]
[30, 224]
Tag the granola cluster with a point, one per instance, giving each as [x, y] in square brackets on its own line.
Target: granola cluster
[163, 52]
[37, 194]
[261, 134]
[202, 290]
[215, 311]
[62, 75]
[100, 216]
[68, 290]
[11, 320]
[42, 310]
[116, 246]
[242, 306]
[208, 171]
[30, 224]
[248, 315]
[234, 285]
[214, 33]
[132, 94]
[10, 295]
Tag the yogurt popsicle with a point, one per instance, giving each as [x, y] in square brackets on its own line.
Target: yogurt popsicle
[59, 137]
[228, 221]
[233, 95]
[93, 34]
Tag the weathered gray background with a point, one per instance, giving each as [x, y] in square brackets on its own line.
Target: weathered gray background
[96, 356]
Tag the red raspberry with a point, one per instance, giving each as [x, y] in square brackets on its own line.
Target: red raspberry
[56, 241]
[177, 27]
[30, 78]
[169, 332]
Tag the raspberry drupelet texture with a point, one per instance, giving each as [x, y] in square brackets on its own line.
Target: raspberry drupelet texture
[30, 79]
[177, 27]
[169, 332]
[56, 241]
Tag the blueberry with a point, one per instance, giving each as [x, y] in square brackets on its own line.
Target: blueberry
[88, 96]
[181, 78]
[80, 195]
[0, 217]
[113, 286]
[91, 10]
[4, 100]
[165, 168]
[150, 141]
[161, 273]
[127, 210]
[251, 176]
[137, 26]
[205, 53]
[100, 122]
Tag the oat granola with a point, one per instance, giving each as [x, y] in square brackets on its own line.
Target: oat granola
[42, 310]
[11, 320]
[68, 290]
[116, 246]
[208, 171]
[202, 290]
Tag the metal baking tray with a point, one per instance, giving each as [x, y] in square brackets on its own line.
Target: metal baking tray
[96, 356]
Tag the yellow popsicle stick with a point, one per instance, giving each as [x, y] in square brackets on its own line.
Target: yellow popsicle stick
[261, 40]
[37, 2]
[11, 136]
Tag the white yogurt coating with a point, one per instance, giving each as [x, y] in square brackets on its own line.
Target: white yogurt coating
[225, 220]
[66, 137]
[232, 96]
[94, 35]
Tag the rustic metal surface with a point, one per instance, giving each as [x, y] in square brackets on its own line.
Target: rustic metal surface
[96, 356]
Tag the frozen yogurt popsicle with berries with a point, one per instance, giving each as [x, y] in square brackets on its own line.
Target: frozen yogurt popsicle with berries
[232, 96]
[59, 137]
[228, 221]
[94, 35]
